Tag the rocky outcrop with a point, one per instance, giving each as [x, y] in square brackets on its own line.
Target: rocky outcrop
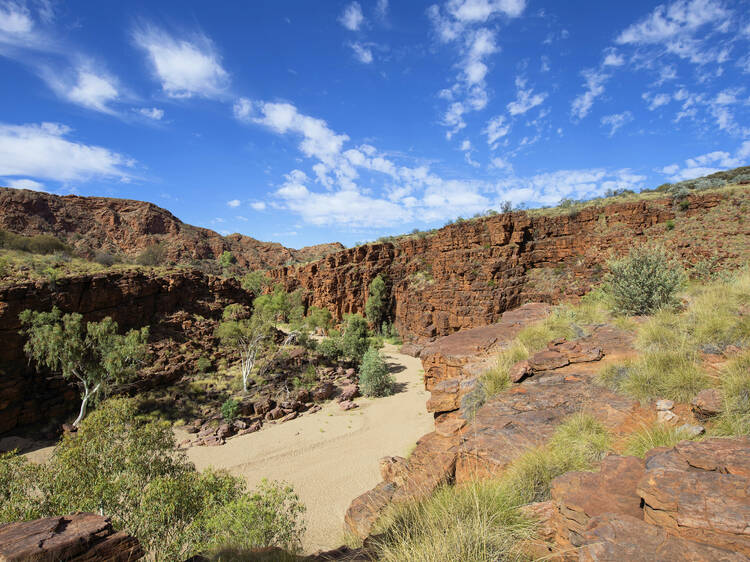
[126, 227]
[467, 274]
[83, 537]
[133, 299]
[690, 500]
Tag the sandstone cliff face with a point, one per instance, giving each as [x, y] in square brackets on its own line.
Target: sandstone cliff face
[131, 298]
[466, 275]
[127, 227]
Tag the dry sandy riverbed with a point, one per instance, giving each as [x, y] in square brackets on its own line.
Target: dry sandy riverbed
[330, 457]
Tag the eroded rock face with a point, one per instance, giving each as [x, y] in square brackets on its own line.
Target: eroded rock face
[123, 226]
[167, 303]
[80, 537]
[466, 275]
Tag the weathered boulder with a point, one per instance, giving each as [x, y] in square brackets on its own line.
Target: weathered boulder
[323, 391]
[348, 392]
[612, 537]
[707, 403]
[80, 537]
[581, 496]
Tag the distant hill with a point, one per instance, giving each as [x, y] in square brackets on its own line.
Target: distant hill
[126, 227]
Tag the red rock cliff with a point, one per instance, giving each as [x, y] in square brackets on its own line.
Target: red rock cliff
[467, 274]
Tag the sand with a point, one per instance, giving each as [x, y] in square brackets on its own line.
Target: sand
[330, 457]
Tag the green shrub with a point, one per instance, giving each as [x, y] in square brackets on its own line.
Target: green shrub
[318, 318]
[376, 307]
[106, 259]
[203, 364]
[643, 281]
[374, 378]
[330, 348]
[230, 410]
[130, 470]
[669, 224]
[355, 337]
[256, 282]
[39, 244]
[226, 259]
[152, 256]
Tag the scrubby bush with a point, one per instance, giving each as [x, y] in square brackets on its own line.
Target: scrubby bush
[355, 338]
[318, 318]
[203, 364]
[129, 469]
[256, 282]
[374, 378]
[106, 259]
[226, 259]
[39, 244]
[330, 348]
[644, 281]
[377, 302]
[152, 256]
[230, 409]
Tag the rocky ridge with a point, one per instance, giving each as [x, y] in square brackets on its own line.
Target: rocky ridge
[127, 227]
[467, 274]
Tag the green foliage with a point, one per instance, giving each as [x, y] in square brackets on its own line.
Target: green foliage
[318, 318]
[256, 282]
[481, 521]
[234, 311]
[308, 379]
[226, 259]
[129, 469]
[669, 224]
[355, 337]
[330, 348]
[281, 306]
[230, 409]
[39, 244]
[93, 352]
[376, 307]
[644, 281]
[390, 333]
[374, 378]
[154, 255]
[203, 364]
[270, 516]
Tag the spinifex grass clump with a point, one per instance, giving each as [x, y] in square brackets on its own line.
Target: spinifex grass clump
[670, 343]
[481, 520]
[650, 437]
[735, 390]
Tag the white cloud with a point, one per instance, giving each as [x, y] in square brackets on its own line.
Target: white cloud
[526, 99]
[594, 84]
[709, 163]
[497, 127]
[466, 145]
[234, 203]
[616, 121]
[501, 164]
[42, 151]
[258, 205]
[362, 53]
[352, 17]
[381, 8]
[612, 58]
[466, 23]
[152, 113]
[656, 101]
[185, 67]
[473, 11]
[24, 183]
[678, 18]
[85, 86]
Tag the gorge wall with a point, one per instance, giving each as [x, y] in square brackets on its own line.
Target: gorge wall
[467, 274]
[132, 298]
[126, 227]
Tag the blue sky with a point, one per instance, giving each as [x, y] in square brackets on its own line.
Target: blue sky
[307, 122]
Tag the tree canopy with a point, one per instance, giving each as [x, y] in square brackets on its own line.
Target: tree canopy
[91, 352]
[376, 307]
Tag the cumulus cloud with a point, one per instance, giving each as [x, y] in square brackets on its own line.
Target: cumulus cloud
[594, 83]
[185, 66]
[24, 183]
[525, 100]
[258, 205]
[234, 203]
[362, 53]
[352, 17]
[708, 163]
[42, 151]
[616, 121]
[466, 23]
[152, 113]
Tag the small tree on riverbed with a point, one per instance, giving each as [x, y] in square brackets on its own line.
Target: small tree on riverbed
[91, 352]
